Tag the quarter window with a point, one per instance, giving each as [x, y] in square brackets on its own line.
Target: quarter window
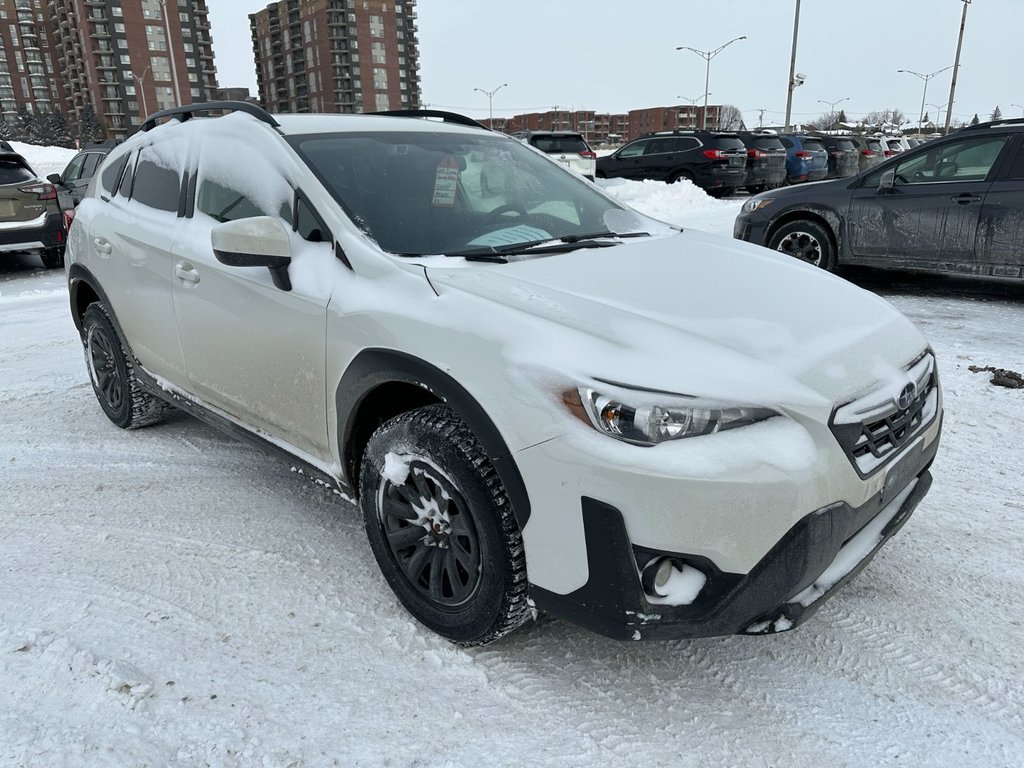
[112, 174]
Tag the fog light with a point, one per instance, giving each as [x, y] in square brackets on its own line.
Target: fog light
[656, 575]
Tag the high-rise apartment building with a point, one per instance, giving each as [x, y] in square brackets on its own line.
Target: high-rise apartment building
[118, 59]
[336, 55]
[28, 69]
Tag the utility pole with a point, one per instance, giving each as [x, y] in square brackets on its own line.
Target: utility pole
[956, 66]
[792, 66]
[760, 117]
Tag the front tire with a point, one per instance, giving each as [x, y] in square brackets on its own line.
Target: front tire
[441, 527]
[806, 240]
[112, 374]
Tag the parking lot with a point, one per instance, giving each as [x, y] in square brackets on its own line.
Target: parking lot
[171, 598]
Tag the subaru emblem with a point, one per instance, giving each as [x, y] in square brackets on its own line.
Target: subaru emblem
[906, 396]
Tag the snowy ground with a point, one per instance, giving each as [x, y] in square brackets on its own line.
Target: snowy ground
[169, 597]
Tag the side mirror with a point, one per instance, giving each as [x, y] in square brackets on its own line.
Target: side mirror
[259, 241]
[55, 178]
[887, 181]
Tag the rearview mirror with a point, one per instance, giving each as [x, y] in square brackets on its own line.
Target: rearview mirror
[887, 180]
[259, 241]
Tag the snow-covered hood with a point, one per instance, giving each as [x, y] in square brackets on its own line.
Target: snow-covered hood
[693, 313]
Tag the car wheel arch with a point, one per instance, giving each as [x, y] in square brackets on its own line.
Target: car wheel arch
[83, 290]
[380, 384]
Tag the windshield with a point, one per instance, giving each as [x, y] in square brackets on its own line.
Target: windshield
[419, 193]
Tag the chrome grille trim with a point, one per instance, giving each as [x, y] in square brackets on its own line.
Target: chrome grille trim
[874, 427]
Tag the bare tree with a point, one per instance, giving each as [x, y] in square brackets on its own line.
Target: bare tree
[730, 118]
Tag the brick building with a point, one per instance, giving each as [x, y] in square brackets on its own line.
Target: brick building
[121, 59]
[336, 55]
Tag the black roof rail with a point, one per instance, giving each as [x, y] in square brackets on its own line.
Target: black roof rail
[191, 110]
[448, 117]
[995, 123]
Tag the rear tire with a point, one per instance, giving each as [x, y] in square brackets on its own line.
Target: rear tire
[679, 176]
[806, 240]
[53, 258]
[441, 527]
[112, 374]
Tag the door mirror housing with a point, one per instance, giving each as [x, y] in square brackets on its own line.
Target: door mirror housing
[887, 181]
[55, 178]
[259, 241]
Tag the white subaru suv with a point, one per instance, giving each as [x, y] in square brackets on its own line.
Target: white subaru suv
[541, 399]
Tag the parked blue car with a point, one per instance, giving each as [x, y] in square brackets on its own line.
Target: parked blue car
[806, 158]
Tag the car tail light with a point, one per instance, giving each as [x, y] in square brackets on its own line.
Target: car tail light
[803, 155]
[867, 152]
[715, 154]
[43, 191]
[757, 154]
[888, 153]
[589, 154]
[69, 216]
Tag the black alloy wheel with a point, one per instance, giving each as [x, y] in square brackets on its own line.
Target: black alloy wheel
[807, 241]
[441, 527]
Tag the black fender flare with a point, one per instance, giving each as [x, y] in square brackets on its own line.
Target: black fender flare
[376, 367]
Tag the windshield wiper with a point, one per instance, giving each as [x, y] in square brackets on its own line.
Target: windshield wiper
[498, 253]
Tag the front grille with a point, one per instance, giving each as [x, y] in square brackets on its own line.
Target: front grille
[872, 428]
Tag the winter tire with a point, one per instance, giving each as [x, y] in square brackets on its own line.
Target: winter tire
[441, 527]
[805, 240]
[113, 376]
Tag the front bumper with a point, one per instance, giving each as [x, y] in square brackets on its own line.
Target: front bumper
[807, 565]
[750, 229]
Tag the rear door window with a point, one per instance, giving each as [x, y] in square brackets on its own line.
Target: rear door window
[814, 145]
[155, 185]
[845, 145]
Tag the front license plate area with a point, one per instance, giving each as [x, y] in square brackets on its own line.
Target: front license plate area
[902, 471]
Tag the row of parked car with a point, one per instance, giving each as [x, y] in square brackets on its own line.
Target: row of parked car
[722, 163]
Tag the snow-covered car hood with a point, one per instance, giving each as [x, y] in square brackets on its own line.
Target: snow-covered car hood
[693, 313]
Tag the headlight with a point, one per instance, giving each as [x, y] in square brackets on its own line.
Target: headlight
[757, 203]
[644, 422]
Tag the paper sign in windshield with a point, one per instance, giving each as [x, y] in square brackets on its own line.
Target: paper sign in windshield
[446, 182]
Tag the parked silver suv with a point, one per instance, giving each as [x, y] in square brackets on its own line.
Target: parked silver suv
[541, 399]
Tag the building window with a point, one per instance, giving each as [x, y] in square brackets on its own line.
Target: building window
[376, 26]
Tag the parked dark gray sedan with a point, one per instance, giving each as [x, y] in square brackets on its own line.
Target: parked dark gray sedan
[955, 204]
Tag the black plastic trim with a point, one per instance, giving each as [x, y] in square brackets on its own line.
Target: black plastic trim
[373, 368]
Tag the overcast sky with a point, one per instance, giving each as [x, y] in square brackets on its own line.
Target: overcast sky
[616, 55]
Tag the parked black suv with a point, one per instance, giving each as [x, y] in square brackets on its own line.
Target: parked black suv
[716, 162]
[954, 204]
[843, 156]
[766, 161]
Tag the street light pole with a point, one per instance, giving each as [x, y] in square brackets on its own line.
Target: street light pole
[832, 106]
[941, 108]
[956, 65]
[792, 66]
[924, 94]
[490, 102]
[142, 90]
[708, 56]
